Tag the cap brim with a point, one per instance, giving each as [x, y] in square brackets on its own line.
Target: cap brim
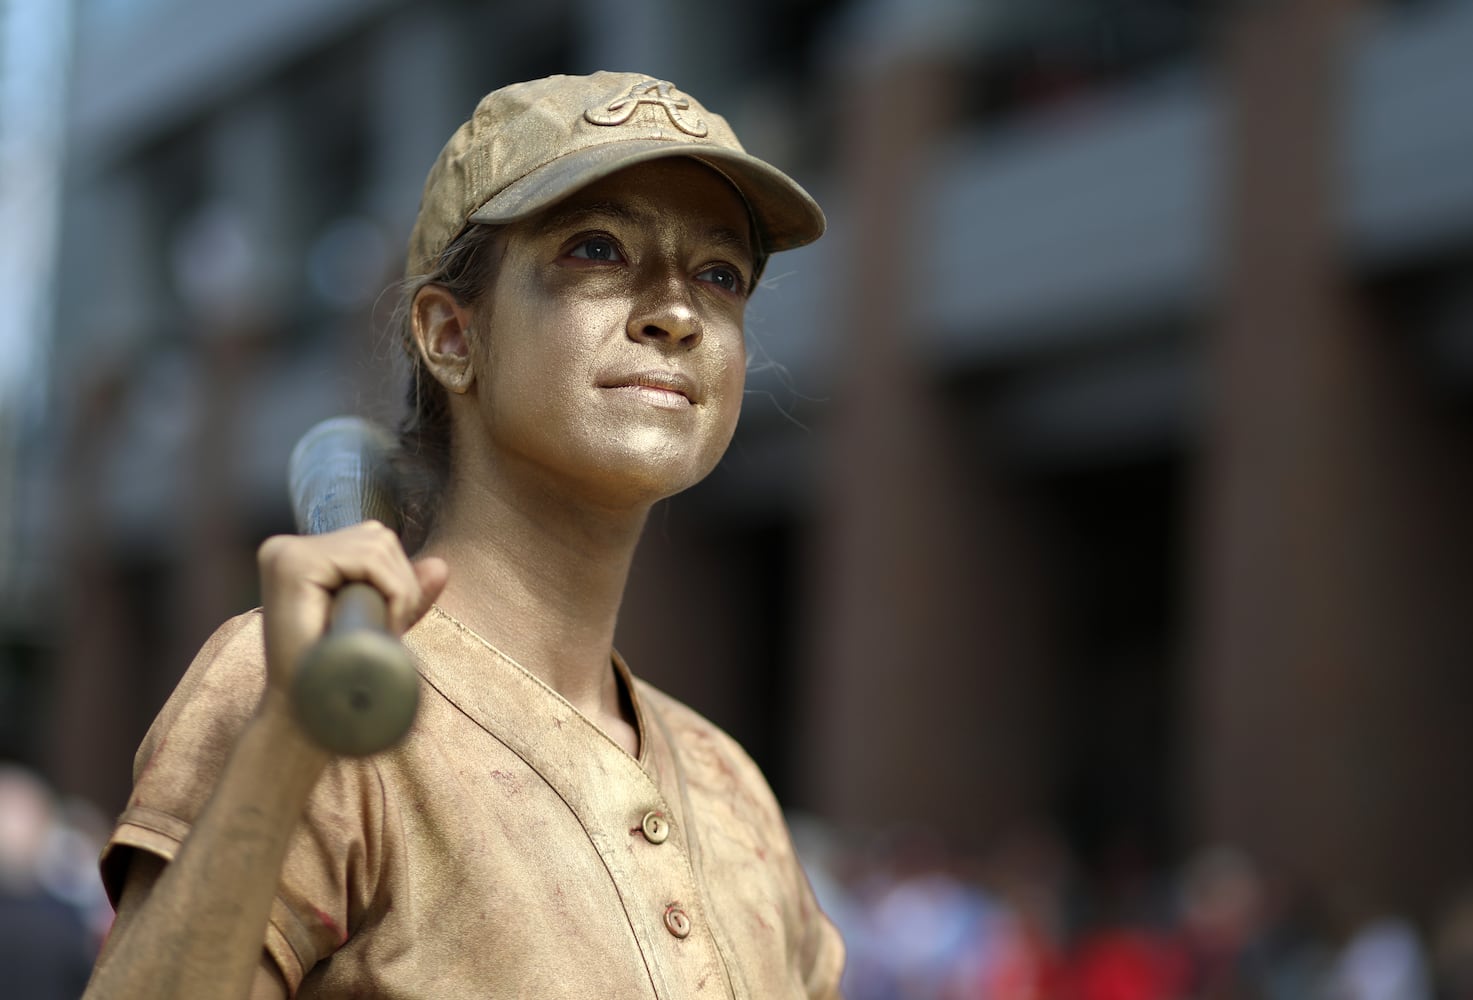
[786, 216]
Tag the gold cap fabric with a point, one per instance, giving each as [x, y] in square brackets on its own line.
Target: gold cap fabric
[528, 145]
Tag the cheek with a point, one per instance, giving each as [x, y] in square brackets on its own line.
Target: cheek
[539, 356]
[738, 378]
[736, 366]
[732, 381]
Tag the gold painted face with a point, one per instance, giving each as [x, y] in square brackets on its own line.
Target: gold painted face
[609, 351]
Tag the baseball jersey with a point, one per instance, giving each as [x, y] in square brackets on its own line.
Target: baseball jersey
[508, 847]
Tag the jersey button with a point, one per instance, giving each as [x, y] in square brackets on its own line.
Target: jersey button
[656, 827]
[677, 922]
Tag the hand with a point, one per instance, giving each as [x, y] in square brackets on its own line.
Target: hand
[299, 574]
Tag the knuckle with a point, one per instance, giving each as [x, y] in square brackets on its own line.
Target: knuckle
[270, 552]
[380, 535]
[282, 556]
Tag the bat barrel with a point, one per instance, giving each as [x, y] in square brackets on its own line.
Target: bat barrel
[341, 473]
[356, 690]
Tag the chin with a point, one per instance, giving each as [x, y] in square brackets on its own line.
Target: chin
[644, 477]
[653, 482]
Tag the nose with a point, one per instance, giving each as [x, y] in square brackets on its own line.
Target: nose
[664, 315]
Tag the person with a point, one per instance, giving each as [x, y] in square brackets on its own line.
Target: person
[551, 826]
[46, 944]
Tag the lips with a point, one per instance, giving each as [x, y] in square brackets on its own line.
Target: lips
[663, 380]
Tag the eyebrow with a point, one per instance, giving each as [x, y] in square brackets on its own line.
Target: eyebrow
[732, 242]
[565, 215]
[722, 237]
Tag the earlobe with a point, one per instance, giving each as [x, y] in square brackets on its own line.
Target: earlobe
[441, 326]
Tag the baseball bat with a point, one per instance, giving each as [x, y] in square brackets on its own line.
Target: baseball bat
[356, 690]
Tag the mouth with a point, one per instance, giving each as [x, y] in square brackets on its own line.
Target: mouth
[659, 387]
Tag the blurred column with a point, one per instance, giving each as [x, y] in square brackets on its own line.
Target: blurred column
[97, 715]
[922, 698]
[693, 624]
[35, 57]
[235, 262]
[1330, 490]
[417, 98]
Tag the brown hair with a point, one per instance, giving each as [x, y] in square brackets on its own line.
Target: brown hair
[464, 269]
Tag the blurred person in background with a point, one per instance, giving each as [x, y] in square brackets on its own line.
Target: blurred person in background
[48, 937]
[1221, 901]
[1382, 960]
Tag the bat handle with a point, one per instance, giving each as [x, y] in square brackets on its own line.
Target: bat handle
[356, 690]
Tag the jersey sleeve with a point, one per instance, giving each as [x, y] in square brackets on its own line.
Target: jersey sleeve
[823, 948]
[331, 867]
[820, 951]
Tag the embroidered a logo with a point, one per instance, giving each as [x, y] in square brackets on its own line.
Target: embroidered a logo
[660, 93]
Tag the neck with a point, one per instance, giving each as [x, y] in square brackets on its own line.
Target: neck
[542, 579]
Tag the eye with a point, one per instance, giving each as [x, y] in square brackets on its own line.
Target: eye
[725, 277]
[601, 248]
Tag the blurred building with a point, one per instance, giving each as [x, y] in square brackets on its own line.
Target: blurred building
[1108, 462]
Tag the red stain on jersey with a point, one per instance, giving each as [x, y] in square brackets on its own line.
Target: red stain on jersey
[332, 925]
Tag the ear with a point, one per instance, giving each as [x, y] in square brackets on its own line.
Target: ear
[441, 327]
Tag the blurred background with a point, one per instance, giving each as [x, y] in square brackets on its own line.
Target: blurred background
[1092, 573]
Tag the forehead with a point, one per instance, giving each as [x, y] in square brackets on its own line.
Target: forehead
[674, 192]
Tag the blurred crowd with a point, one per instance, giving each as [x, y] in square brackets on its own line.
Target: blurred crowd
[1028, 922]
[53, 912]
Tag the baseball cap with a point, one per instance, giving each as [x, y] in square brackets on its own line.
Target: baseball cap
[528, 145]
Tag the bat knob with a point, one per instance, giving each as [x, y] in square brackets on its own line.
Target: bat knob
[356, 691]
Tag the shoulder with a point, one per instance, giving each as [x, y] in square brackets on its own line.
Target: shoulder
[237, 647]
[235, 650]
[712, 757]
[682, 721]
[220, 689]
[187, 745]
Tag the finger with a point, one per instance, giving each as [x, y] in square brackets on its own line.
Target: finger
[292, 563]
[296, 614]
[433, 573]
[385, 565]
[300, 573]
